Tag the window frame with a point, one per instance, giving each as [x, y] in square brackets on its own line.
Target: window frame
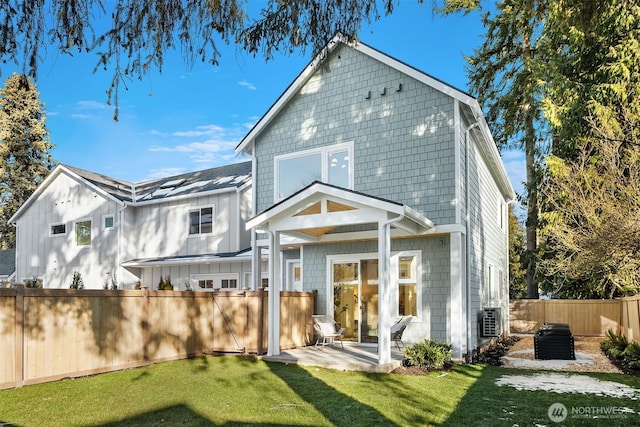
[199, 209]
[324, 152]
[217, 281]
[416, 272]
[57, 224]
[113, 222]
[75, 231]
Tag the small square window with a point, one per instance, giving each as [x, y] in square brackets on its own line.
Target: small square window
[108, 222]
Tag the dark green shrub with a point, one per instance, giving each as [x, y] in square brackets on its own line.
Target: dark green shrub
[428, 354]
[33, 283]
[165, 283]
[76, 281]
[614, 345]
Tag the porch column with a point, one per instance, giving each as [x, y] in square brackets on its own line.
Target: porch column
[275, 267]
[384, 293]
[458, 320]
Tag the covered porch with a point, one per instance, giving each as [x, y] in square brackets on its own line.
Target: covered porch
[325, 214]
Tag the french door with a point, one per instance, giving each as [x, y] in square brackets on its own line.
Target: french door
[355, 298]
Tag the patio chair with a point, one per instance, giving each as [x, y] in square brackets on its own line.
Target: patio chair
[397, 329]
[328, 330]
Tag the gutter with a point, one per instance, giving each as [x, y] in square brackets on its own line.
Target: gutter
[467, 240]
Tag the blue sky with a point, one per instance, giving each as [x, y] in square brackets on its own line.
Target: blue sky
[188, 119]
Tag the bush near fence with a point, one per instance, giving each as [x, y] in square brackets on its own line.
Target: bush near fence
[49, 334]
[585, 317]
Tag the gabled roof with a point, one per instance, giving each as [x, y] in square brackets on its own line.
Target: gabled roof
[318, 210]
[223, 178]
[457, 94]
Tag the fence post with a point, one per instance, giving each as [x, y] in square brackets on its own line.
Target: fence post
[19, 336]
[260, 327]
[145, 323]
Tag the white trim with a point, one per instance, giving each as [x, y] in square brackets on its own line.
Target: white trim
[199, 210]
[48, 180]
[217, 279]
[291, 265]
[457, 160]
[395, 256]
[104, 218]
[324, 152]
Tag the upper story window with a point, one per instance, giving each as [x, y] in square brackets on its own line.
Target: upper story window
[83, 232]
[58, 230]
[108, 222]
[332, 164]
[201, 221]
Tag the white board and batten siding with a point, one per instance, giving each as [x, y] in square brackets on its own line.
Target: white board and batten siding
[65, 202]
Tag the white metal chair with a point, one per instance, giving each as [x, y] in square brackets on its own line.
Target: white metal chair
[397, 329]
[327, 329]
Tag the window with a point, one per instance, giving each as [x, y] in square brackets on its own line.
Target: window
[58, 229]
[210, 282]
[83, 232]
[333, 165]
[108, 222]
[407, 286]
[201, 221]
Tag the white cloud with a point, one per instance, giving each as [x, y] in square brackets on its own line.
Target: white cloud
[246, 84]
[164, 172]
[204, 145]
[82, 116]
[201, 130]
[91, 105]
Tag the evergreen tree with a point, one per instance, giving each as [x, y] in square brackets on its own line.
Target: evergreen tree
[590, 233]
[504, 75]
[517, 247]
[24, 149]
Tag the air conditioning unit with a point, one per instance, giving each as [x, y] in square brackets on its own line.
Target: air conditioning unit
[490, 322]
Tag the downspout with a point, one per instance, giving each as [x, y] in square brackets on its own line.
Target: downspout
[467, 240]
[256, 253]
[118, 275]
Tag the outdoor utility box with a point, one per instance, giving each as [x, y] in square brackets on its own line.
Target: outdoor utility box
[554, 341]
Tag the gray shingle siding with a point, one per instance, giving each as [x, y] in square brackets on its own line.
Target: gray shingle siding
[403, 140]
[436, 279]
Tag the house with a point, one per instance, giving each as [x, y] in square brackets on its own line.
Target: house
[7, 266]
[189, 227]
[380, 187]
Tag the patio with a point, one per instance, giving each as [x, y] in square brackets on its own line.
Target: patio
[352, 358]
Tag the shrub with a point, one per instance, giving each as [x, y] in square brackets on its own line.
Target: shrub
[614, 345]
[77, 282]
[427, 355]
[33, 283]
[165, 284]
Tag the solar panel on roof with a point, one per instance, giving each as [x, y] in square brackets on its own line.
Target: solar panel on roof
[172, 183]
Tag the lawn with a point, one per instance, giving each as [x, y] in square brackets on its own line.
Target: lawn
[237, 391]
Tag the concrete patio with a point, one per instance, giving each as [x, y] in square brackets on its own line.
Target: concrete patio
[352, 358]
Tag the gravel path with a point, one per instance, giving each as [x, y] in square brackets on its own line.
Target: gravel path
[589, 357]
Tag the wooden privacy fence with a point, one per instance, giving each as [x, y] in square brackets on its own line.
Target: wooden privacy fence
[49, 334]
[585, 317]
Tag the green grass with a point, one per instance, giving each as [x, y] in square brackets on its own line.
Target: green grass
[236, 391]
